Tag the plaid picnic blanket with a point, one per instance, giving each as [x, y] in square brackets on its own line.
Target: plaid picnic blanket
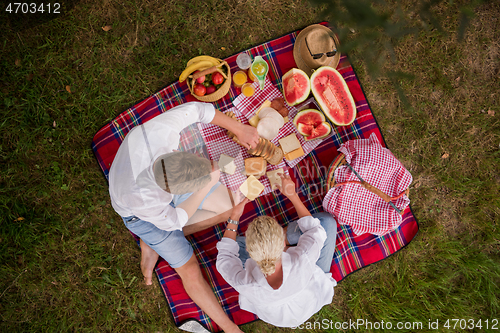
[352, 252]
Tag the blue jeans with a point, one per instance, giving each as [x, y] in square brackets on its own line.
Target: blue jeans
[293, 233]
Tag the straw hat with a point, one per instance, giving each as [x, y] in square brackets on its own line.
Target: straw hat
[320, 40]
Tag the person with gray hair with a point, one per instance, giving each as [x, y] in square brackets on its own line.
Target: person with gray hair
[282, 274]
[158, 191]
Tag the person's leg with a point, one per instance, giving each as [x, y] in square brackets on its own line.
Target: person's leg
[214, 209]
[201, 293]
[149, 257]
[176, 250]
[220, 200]
[217, 202]
[199, 216]
[327, 221]
[328, 249]
[153, 244]
[242, 252]
[205, 224]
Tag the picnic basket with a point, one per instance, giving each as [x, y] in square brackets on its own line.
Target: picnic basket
[331, 182]
[222, 68]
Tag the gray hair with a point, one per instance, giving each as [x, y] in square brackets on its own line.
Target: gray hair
[180, 172]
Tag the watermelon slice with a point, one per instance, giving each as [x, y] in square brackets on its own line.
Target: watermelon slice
[319, 132]
[305, 129]
[333, 96]
[296, 86]
[311, 124]
[309, 117]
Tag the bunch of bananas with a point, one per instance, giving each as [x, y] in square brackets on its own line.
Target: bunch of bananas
[199, 63]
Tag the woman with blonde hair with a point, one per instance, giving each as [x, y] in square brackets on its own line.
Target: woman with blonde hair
[284, 285]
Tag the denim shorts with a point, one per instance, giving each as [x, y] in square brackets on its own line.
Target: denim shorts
[170, 245]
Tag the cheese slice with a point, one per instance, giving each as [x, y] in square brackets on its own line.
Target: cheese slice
[251, 188]
[230, 168]
[274, 178]
[226, 164]
[254, 121]
[294, 154]
[289, 143]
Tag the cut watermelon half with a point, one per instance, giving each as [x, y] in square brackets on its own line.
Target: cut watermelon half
[296, 86]
[333, 96]
[311, 124]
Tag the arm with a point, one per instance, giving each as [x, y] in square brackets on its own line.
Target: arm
[181, 116]
[247, 134]
[287, 188]
[229, 264]
[191, 204]
[235, 216]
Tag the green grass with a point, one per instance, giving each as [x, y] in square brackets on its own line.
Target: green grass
[69, 264]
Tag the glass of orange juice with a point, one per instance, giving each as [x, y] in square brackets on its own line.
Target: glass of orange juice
[239, 78]
[248, 90]
[251, 76]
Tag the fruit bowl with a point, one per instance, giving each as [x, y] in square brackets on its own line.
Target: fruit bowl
[224, 69]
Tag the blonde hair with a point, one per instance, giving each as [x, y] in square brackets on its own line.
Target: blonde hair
[265, 242]
[180, 172]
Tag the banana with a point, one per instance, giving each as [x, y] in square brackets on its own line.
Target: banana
[194, 67]
[194, 60]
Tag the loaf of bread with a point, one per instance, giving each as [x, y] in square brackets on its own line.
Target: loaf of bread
[268, 150]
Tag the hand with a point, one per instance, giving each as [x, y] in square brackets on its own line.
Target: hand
[238, 210]
[248, 136]
[287, 187]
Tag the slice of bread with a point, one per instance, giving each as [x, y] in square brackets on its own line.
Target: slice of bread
[226, 164]
[274, 178]
[276, 157]
[265, 104]
[289, 143]
[255, 166]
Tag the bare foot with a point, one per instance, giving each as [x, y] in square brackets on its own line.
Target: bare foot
[148, 262]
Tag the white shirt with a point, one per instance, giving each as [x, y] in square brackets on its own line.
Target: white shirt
[305, 288]
[132, 186]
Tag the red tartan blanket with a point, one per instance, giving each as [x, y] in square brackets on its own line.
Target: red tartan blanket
[352, 252]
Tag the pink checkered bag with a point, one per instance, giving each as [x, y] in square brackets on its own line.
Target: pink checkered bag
[367, 187]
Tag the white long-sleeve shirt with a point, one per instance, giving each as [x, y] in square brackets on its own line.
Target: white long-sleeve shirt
[305, 288]
[132, 185]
